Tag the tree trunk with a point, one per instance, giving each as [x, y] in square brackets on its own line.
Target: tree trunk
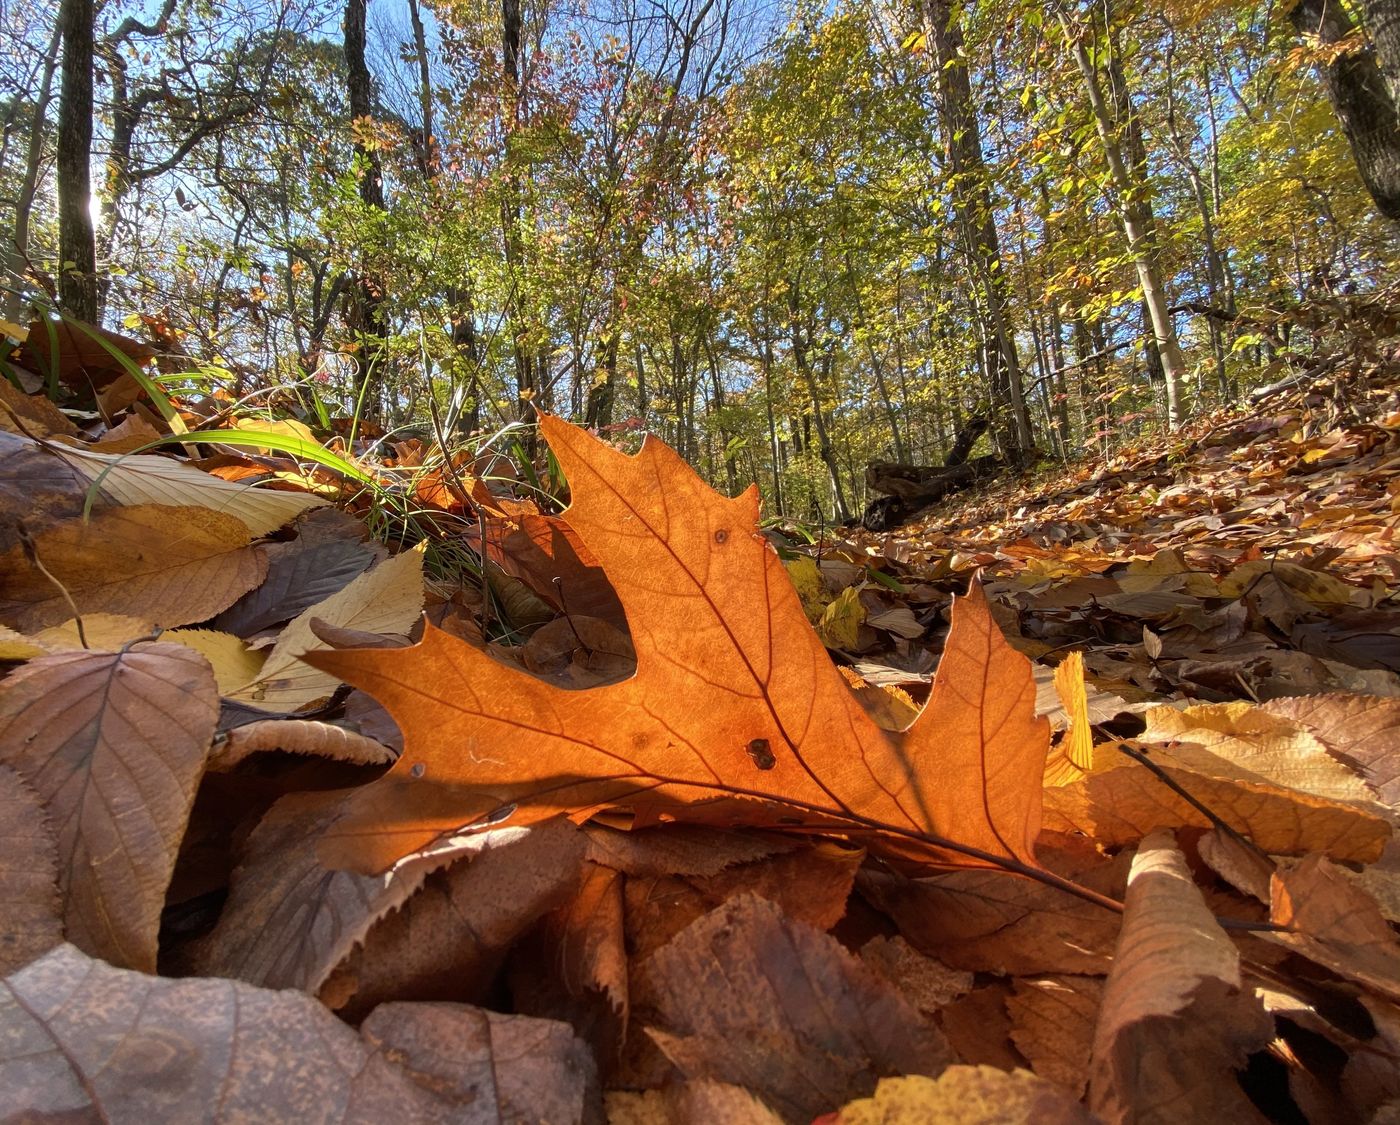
[1359, 93]
[367, 318]
[1129, 192]
[19, 264]
[977, 220]
[77, 246]
[525, 381]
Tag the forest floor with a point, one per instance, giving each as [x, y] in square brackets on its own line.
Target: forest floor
[1256, 556]
[278, 786]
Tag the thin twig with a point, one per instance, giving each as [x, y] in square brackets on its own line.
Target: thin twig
[1171, 783]
[31, 553]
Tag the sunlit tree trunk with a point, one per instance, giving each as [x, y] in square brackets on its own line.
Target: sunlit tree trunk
[77, 246]
[368, 317]
[19, 263]
[972, 196]
[1129, 189]
[525, 375]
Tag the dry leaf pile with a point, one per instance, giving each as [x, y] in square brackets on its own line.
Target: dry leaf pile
[662, 818]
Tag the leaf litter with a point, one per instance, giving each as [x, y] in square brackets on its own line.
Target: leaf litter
[1064, 803]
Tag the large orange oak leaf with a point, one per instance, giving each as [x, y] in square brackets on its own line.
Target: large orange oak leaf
[734, 696]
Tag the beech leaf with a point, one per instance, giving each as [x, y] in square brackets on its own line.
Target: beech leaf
[741, 700]
[114, 744]
[175, 565]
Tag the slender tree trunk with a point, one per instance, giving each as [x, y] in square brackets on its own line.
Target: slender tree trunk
[1361, 97]
[367, 317]
[77, 246]
[19, 264]
[973, 201]
[511, 29]
[1139, 239]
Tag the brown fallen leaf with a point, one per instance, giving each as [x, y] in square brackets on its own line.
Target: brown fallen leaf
[985, 921]
[299, 575]
[681, 849]
[1120, 800]
[744, 700]
[80, 1039]
[1338, 924]
[175, 565]
[31, 910]
[811, 885]
[689, 1103]
[576, 966]
[449, 938]
[1052, 1025]
[297, 736]
[748, 997]
[1358, 729]
[114, 745]
[925, 981]
[968, 1095]
[1176, 1021]
[289, 922]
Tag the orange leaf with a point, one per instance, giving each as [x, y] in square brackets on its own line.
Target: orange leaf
[734, 695]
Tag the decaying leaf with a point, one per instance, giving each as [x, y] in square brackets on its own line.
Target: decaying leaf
[968, 1095]
[1338, 924]
[84, 1040]
[289, 921]
[1175, 1022]
[179, 565]
[31, 910]
[748, 997]
[1052, 1025]
[114, 744]
[743, 701]
[1359, 729]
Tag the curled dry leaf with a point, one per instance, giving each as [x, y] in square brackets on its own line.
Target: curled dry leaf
[297, 736]
[176, 565]
[31, 911]
[968, 1095]
[388, 599]
[1078, 745]
[114, 744]
[743, 700]
[449, 938]
[925, 981]
[289, 921]
[133, 480]
[84, 1040]
[747, 996]
[1175, 1021]
[1339, 924]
